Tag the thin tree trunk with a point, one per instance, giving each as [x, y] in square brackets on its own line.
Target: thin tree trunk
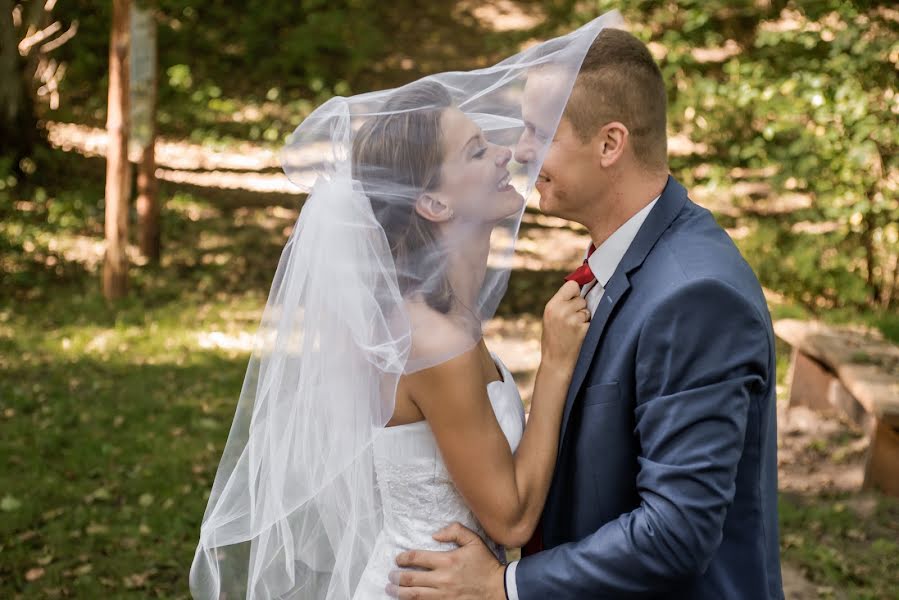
[144, 94]
[18, 123]
[10, 69]
[890, 300]
[871, 258]
[148, 204]
[115, 264]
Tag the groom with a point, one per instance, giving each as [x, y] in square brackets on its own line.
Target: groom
[666, 479]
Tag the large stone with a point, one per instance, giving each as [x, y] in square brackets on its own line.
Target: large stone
[882, 467]
[867, 365]
[815, 386]
[856, 373]
[810, 382]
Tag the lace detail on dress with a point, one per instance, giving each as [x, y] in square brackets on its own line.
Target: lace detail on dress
[418, 497]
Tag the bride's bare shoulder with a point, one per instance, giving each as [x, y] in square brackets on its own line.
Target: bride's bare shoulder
[437, 336]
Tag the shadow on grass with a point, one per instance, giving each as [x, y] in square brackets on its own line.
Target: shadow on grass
[108, 461]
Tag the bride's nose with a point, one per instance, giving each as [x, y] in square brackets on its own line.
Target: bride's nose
[503, 156]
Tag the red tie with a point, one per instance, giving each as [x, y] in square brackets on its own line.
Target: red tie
[583, 275]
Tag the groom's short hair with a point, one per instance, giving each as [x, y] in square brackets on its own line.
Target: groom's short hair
[620, 81]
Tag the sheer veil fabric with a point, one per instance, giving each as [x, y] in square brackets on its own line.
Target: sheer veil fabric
[401, 251]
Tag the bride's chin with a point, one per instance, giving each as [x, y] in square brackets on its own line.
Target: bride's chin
[511, 197]
[503, 205]
[517, 202]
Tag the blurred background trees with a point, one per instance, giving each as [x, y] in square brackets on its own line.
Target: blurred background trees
[795, 99]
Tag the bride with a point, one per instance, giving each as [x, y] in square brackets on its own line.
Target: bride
[373, 414]
[449, 450]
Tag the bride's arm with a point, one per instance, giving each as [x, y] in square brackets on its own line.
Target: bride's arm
[505, 491]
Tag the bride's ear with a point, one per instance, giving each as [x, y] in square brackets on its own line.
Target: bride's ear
[430, 207]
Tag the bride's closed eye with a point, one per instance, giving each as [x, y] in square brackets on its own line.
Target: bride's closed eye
[480, 153]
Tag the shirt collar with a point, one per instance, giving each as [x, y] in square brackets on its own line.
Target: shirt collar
[606, 257]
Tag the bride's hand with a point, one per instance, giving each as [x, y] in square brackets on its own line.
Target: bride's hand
[565, 323]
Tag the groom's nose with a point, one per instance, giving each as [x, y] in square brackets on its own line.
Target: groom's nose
[525, 149]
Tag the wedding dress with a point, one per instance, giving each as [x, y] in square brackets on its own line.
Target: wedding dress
[418, 497]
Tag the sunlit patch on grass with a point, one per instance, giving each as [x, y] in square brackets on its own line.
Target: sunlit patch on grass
[218, 340]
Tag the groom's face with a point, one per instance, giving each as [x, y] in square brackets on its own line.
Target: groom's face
[567, 176]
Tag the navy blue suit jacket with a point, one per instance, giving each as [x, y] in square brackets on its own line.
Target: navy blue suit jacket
[666, 481]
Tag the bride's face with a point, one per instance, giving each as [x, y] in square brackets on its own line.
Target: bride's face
[474, 178]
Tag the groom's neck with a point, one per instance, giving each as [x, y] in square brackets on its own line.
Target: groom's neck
[622, 200]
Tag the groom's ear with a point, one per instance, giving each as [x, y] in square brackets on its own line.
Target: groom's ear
[610, 142]
[429, 206]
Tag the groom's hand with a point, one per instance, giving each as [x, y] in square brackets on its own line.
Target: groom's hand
[469, 573]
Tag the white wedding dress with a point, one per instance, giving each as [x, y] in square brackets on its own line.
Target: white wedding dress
[417, 494]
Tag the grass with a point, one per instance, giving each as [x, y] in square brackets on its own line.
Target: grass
[847, 544]
[113, 418]
[113, 423]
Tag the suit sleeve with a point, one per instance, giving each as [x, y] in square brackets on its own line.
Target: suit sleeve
[702, 361]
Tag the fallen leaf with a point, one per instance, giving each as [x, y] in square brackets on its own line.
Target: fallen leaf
[136, 580]
[52, 514]
[98, 494]
[96, 529]
[128, 542]
[34, 574]
[27, 535]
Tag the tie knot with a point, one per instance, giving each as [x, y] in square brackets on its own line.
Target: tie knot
[583, 275]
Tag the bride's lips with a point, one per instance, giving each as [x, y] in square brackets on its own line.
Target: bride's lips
[504, 184]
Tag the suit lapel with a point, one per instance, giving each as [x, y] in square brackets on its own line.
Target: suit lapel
[670, 204]
[616, 287]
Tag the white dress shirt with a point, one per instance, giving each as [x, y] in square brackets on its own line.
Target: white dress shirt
[603, 262]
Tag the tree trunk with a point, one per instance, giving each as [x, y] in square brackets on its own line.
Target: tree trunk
[871, 258]
[115, 264]
[148, 204]
[18, 122]
[143, 127]
[891, 299]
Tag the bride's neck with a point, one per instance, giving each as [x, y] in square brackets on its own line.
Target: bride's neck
[468, 249]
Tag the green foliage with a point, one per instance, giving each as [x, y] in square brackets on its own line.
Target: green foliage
[820, 270]
[231, 71]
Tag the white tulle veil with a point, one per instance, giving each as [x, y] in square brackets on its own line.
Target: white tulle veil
[403, 228]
